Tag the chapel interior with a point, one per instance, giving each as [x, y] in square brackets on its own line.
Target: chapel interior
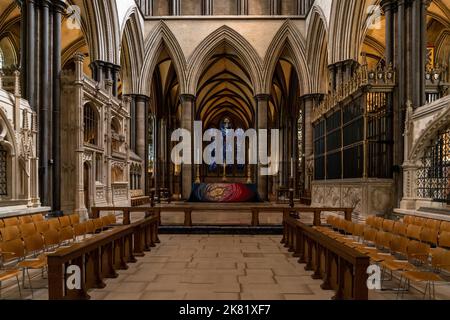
[354, 98]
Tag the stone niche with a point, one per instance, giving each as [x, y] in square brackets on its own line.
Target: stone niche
[367, 196]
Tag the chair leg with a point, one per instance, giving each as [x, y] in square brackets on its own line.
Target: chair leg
[29, 281]
[18, 286]
[400, 287]
[426, 290]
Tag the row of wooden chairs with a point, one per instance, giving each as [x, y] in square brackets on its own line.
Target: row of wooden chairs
[435, 234]
[420, 263]
[437, 225]
[24, 247]
[15, 221]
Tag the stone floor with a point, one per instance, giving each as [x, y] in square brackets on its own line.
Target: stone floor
[205, 267]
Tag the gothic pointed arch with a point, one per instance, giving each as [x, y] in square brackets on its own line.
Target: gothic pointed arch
[160, 39]
[345, 30]
[438, 123]
[241, 47]
[288, 42]
[131, 52]
[317, 50]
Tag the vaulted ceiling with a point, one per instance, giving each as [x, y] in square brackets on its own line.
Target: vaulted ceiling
[225, 90]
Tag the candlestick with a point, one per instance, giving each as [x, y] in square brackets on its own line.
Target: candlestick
[292, 168]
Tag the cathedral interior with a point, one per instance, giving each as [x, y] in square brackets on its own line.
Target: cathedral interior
[354, 94]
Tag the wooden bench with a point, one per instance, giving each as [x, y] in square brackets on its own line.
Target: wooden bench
[99, 257]
[342, 268]
[255, 209]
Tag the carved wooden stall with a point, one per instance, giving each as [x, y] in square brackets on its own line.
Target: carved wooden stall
[98, 258]
[342, 268]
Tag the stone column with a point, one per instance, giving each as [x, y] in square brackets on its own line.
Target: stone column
[207, 8]
[108, 115]
[262, 107]
[56, 177]
[242, 7]
[175, 7]
[187, 117]
[31, 53]
[388, 8]
[80, 206]
[115, 71]
[44, 104]
[309, 102]
[141, 133]
[275, 7]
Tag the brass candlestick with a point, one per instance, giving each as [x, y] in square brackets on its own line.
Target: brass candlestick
[197, 178]
[224, 176]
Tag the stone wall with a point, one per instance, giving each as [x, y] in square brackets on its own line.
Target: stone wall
[367, 196]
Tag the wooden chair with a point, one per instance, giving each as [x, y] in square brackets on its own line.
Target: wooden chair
[66, 235]
[90, 228]
[400, 229]
[419, 221]
[445, 226]
[378, 223]
[17, 254]
[416, 253]
[370, 234]
[112, 219]
[79, 230]
[34, 246]
[42, 226]
[388, 225]
[11, 222]
[358, 230]
[10, 233]
[2, 224]
[370, 221]
[7, 274]
[64, 221]
[10, 272]
[429, 236]
[37, 218]
[98, 224]
[27, 229]
[444, 240]
[54, 224]
[440, 261]
[433, 224]
[408, 219]
[51, 239]
[25, 219]
[414, 231]
[74, 219]
[105, 221]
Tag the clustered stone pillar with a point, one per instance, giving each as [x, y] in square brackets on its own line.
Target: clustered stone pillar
[308, 102]
[406, 46]
[102, 71]
[142, 134]
[207, 7]
[262, 108]
[242, 7]
[79, 196]
[175, 7]
[187, 118]
[41, 37]
[139, 106]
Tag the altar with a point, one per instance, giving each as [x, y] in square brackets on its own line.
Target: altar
[224, 193]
